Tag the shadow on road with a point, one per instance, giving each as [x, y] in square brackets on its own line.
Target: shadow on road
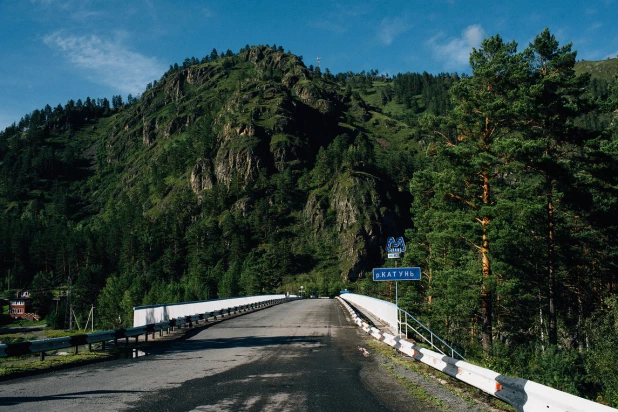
[227, 343]
[16, 400]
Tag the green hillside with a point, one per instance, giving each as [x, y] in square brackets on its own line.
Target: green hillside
[242, 174]
[606, 70]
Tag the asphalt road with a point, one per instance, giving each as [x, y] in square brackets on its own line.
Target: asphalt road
[297, 356]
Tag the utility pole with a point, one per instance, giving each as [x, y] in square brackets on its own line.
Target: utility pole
[319, 60]
[90, 319]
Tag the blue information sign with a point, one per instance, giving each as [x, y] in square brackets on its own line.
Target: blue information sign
[395, 246]
[397, 274]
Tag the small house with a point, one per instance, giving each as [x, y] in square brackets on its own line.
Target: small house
[21, 306]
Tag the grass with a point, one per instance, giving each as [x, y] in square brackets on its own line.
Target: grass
[17, 323]
[602, 69]
[460, 389]
[29, 363]
[416, 391]
[62, 333]
[12, 338]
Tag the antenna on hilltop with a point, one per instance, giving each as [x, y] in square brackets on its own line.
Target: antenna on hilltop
[319, 60]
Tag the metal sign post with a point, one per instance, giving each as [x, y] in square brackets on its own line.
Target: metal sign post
[395, 248]
[396, 274]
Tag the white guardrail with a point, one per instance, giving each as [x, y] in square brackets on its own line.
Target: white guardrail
[144, 315]
[524, 395]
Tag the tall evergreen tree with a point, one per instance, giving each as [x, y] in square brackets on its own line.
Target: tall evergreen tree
[552, 139]
[485, 114]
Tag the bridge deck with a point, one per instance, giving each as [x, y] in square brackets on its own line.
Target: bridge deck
[297, 356]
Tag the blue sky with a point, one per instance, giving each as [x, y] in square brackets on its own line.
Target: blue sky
[55, 50]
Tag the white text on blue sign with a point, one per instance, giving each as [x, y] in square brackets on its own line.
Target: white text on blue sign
[397, 274]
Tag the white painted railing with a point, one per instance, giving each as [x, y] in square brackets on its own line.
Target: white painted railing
[144, 315]
[524, 395]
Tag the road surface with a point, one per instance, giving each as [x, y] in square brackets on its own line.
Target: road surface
[298, 356]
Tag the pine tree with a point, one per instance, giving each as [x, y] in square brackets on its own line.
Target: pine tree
[552, 139]
[485, 116]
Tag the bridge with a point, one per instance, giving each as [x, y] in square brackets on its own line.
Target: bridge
[302, 355]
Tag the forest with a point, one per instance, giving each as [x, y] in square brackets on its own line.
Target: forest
[246, 173]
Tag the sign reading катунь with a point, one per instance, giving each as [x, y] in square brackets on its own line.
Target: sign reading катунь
[397, 274]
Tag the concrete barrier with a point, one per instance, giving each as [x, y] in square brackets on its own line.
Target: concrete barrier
[144, 315]
[42, 345]
[385, 311]
[524, 395]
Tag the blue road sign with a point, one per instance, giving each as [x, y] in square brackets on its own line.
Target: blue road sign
[397, 274]
[395, 246]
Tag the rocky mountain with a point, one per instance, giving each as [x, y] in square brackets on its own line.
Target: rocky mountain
[246, 173]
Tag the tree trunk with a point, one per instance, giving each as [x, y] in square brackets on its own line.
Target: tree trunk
[486, 295]
[552, 332]
[429, 281]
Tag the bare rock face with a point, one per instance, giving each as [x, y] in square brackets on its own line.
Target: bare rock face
[288, 151]
[356, 202]
[315, 97]
[238, 155]
[198, 75]
[149, 131]
[175, 86]
[359, 219]
[315, 211]
[201, 177]
[169, 128]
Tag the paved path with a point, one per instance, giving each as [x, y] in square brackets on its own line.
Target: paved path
[297, 356]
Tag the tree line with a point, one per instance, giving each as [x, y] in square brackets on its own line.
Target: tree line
[514, 217]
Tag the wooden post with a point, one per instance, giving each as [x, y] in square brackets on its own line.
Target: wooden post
[42, 356]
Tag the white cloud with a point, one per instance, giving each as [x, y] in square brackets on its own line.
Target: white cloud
[392, 28]
[595, 26]
[106, 62]
[611, 55]
[455, 52]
